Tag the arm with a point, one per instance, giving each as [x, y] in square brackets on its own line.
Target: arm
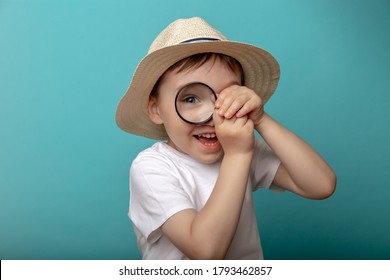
[302, 169]
[207, 234]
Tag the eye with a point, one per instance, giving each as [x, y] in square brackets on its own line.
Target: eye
[190, 99]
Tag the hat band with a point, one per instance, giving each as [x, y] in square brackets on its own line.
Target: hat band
[201, 39]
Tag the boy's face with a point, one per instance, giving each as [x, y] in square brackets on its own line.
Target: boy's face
[197, 141]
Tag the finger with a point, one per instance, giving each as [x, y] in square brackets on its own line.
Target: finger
[217, 119]
[246, 124]
[236, 106]
[224, 104]
[240, 121]
[249, 123]
[225, 98]
[221, 98]
[218, 102]
[253, 104]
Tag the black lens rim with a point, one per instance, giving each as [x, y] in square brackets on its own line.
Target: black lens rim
[177, 96]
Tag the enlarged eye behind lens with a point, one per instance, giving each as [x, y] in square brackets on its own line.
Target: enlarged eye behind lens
[190, 99]
[195, 103]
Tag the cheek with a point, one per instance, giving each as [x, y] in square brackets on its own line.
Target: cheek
[169, 118]
[177, 128]
[171, 121]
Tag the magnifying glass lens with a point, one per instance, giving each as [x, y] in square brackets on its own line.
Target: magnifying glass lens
[195, 103]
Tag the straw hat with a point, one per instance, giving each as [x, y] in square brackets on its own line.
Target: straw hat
[183, 38]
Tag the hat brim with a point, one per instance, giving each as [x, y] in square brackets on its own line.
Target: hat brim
[261, 72]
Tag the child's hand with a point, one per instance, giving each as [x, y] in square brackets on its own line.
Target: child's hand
[235, 134]
[240, 101]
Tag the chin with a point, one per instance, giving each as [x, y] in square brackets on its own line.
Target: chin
[211, 159]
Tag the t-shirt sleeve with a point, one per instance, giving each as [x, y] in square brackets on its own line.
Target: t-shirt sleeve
[265, 164]
[155, 195]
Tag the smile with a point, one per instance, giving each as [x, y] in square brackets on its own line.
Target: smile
[208, 135]
[208, 139]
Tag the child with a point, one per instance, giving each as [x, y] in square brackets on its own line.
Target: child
[191, 196]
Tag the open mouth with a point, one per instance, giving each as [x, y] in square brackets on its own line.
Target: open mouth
[208, 139]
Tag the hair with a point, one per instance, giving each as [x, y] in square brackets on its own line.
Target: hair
[196, 61]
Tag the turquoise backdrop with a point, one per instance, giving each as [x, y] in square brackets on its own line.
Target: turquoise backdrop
[65, 64]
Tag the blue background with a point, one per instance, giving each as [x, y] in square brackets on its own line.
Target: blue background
[65, 64]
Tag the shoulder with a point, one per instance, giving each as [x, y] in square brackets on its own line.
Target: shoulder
[263, 153]
[264, 165]
[156, 157]
[262, 150]
[158, 152]
[260, 145]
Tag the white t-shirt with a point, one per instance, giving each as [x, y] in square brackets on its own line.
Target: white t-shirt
[164, 181]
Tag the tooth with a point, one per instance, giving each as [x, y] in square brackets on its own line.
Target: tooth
[208, 135]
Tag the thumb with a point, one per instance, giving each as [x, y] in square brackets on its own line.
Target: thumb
[217, 119]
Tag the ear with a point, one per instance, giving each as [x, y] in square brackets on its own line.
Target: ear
[153, 110]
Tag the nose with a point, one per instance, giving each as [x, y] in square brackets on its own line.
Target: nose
[210, 122]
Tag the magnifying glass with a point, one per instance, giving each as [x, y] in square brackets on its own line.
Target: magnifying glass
[194, 103]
